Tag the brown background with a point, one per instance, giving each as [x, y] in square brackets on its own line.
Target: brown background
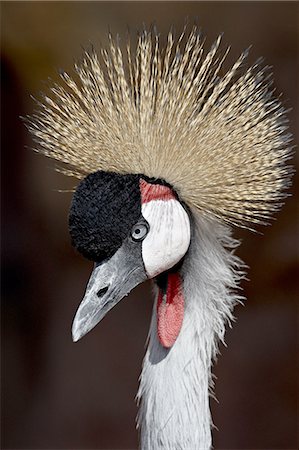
[58, 395]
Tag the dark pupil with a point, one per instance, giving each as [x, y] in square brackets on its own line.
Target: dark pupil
[137, 231]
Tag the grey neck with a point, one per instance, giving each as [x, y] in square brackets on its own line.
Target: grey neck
[175, 383]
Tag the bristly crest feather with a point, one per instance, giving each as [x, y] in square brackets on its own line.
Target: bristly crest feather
[220, 140]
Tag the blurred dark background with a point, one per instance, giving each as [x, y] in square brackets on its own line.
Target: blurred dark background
[60, 395]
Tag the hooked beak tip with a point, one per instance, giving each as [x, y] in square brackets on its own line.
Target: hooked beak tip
[75, 338]
[76, 335]
[108, 284]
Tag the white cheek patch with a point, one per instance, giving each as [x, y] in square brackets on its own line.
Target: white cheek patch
[169, 235]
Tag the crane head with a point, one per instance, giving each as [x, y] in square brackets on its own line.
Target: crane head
[134, 228]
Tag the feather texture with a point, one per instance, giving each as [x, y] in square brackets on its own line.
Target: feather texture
[175, 383]
[220, 141]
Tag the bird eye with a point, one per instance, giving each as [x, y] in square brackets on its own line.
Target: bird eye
[139, 231]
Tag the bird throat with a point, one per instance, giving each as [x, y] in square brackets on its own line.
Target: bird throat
[170, 307]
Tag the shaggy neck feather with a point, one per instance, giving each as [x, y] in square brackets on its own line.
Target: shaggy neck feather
[175, 383]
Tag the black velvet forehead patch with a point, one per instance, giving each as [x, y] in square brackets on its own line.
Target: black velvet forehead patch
[104, 208]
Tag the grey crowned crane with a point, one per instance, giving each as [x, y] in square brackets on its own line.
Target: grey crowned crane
[170, 155]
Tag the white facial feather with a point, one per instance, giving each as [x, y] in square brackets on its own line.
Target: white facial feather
[169, 235]
[175, 383]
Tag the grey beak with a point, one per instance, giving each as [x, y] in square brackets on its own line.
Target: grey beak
[110, 281]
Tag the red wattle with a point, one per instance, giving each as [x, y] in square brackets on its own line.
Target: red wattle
[170, 311]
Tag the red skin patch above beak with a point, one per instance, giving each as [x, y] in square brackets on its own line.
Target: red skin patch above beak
[170, 310]
[151, 192]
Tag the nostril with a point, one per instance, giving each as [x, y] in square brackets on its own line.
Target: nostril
[102, 291]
